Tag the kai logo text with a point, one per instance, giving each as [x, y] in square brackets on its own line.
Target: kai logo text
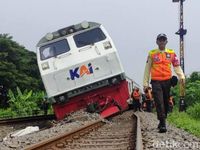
[80, 71]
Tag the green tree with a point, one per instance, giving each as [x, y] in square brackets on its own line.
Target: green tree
[18, 66]
[195, 76]
[26, 102]
[192, 92]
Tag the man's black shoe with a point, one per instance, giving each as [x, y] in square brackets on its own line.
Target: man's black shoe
[162, 126]
[162, 129]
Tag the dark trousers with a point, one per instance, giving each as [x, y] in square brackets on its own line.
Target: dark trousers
[170, 108]
[137, 105]
[161, 93]
[149, 105]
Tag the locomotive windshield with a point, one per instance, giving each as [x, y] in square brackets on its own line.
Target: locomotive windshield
[89, 37]
[54, 49]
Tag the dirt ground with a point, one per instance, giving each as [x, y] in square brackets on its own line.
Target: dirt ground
[4, 130]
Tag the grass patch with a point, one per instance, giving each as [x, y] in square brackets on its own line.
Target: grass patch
[185, 121]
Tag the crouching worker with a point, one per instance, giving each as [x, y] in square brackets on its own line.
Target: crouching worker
[136, 99]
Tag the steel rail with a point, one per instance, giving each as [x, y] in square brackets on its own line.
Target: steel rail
[66, 137]
[61, 141]
[139, 144]
[26, 119]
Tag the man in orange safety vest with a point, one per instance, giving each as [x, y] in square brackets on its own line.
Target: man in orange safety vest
[158, 65]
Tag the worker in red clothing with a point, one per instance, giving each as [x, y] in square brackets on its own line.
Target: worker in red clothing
[136, 99]
[158, 65]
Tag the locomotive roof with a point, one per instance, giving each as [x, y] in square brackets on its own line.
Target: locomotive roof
[75, 28]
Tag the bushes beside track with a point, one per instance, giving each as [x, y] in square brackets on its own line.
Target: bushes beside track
[185, 121]
[26, 103]
[189, 120]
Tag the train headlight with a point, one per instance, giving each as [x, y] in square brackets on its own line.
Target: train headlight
[114, 81]
[84, 24]
[45, 65]
[49, 36]
[107, 45]
[62, 98]
[63, 32]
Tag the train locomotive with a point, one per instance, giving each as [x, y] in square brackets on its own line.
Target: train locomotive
[80, 68]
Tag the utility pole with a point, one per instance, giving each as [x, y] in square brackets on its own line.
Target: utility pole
[181, 32]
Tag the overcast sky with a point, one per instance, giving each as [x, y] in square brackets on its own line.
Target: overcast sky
[132, 24]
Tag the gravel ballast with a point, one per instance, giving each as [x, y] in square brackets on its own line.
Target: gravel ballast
[174, 138]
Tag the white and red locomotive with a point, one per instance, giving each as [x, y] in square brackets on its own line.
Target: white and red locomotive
[80, 66]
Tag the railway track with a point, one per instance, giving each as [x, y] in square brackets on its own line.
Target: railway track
[26, 119]
[121, 132]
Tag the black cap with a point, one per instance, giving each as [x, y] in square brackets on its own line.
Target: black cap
[161, 36]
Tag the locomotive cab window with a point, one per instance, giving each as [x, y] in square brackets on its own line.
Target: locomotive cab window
[54, 49]
[89, 37]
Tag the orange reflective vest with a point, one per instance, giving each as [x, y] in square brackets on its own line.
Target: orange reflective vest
[136, 95]
[148, 95]
[161, 64]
